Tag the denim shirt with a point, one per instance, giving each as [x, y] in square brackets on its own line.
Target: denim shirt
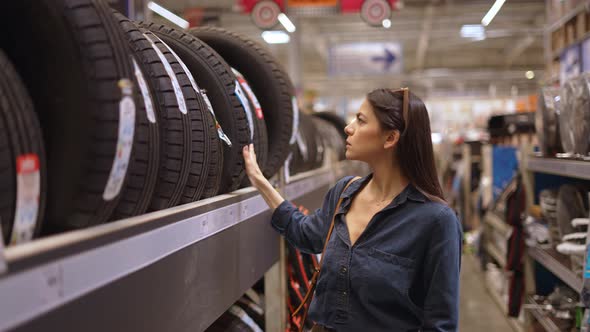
[402, 274]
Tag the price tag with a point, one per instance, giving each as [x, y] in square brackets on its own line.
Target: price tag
[28, 187]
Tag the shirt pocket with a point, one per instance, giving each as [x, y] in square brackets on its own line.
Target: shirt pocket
[389, 277]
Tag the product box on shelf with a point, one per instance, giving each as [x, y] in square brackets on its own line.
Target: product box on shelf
[570, 63]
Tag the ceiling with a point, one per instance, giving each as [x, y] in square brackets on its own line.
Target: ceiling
[437, 61]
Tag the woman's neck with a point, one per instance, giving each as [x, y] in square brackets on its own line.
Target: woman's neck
[387, 181]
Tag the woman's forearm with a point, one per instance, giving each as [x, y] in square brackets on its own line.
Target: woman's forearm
[270, 195]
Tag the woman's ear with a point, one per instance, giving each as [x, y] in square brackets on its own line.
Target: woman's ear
[391, 139]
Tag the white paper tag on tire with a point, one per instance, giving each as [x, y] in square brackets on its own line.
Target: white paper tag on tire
[252, 96]
[175, 85]
[244, 100]
[145, 92]
[28, 188]
[191, 78]
[295, 120]
[124, 144]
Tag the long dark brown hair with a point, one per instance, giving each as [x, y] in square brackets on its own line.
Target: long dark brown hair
[414, 149]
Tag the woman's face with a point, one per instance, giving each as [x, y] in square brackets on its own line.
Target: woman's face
[366, 140]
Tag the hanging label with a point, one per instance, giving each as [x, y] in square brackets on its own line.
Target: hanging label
[220, 132]
[188, 73]
[287, 168]
[28, 187]
[251, 95]
[302, 146]
[257, 108]
[175, 85]
[124, 142]
[295, 129]
[244, 100]
[145, 92]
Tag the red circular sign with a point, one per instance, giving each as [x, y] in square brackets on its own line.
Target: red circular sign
[265, 14]
[375, 11]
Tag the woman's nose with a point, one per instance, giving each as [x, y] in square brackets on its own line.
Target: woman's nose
[348, 128]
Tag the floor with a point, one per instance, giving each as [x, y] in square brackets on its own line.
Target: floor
[478, 312]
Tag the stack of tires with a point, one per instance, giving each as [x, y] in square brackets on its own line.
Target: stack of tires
[320, 139]
[102, 118]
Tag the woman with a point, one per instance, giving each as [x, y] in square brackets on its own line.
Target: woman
[393, 260]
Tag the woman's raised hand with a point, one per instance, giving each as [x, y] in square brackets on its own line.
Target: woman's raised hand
[252, 169]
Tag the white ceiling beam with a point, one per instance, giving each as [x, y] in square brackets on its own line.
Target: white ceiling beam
[517, 49]
[424, 37]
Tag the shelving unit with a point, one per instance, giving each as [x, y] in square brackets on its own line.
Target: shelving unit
[549, 261]
[564, 167]
[176, 269]
[570, 29]
[540, 316]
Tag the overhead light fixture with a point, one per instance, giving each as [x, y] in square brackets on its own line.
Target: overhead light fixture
[530, 74]
[170, 16]
[473, 31]
[276, 37]
[492, 12]
[386, 23]
[286, 22]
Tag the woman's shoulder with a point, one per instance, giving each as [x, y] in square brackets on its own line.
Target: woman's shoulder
[439, 213]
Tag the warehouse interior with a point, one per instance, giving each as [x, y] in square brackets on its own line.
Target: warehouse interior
[127, 202]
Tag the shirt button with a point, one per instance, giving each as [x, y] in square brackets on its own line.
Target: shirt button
[343, 270]
[343, 293]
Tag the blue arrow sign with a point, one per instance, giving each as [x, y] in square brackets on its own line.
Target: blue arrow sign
[365, 58]
[387, 59]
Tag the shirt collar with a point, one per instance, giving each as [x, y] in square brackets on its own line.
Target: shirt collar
[410, 192]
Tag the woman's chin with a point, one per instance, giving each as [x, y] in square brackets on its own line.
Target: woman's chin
[349, 155]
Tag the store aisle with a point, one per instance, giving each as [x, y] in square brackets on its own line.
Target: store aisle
[478, 312]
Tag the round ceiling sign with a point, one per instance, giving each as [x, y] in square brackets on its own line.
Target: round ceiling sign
[375, 11]
[265, 14]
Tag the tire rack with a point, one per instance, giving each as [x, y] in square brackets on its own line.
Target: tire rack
[117, 276]
[548, 258]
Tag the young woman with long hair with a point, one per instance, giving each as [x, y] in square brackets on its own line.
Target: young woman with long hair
[392, 262]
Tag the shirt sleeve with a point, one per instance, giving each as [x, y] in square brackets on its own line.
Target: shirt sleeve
[307, 233]
[442, 268]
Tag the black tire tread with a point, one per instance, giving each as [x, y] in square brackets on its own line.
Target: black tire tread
[20, 134]
[279, 124]
[143, 170]
[222, 81]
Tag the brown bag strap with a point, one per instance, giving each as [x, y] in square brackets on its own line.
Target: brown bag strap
[316, 273]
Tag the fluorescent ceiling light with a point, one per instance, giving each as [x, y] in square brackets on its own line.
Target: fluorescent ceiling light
[386, 23]
[170, 16]
[492, 12]
[473, 31]
[286, 22]
[276, 37]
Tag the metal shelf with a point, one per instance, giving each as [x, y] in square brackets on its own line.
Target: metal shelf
[557, 268]
[541, 317]
[564, 167]
[565, 18]
[496, 222]
[176, 269]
